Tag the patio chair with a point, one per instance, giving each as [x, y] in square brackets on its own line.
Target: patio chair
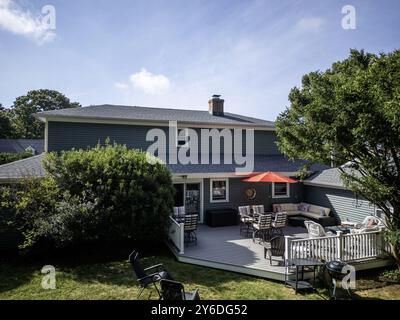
[259, 209]
[274, 248]
[245, 219]
[315, 230]
[173, 290]
[280, 222]
[179, 214]
[263, 226]
[369, 224]
[190, 228]
[144, 278]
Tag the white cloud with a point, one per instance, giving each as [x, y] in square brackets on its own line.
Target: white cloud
[121, 86]
[14, 19]
[313, 24]
[146, 82]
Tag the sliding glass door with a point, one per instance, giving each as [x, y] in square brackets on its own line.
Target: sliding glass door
[189, 195]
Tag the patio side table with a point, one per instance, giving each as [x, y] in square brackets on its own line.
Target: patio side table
[301, 265]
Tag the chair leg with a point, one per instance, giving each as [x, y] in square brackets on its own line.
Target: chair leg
[195, 237]
[243, 226]
[254, 235]
[334, 290]
[140, 293]
[155, 286]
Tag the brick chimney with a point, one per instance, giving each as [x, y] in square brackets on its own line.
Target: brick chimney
[216, 105]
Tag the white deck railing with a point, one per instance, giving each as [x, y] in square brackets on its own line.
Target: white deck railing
[176, 235]
[345, 247]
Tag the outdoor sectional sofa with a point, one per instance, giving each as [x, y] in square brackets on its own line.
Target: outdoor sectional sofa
[299, 212]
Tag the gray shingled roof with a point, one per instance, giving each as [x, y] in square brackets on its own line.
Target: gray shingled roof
[20, 145]
[330, 177]
[25, 168]
[32, 167]
[115, 112]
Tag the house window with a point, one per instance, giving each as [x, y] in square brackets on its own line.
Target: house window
[280, 190]
[219, 190]
[182, 138]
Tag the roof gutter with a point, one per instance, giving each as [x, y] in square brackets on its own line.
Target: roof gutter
[323, 185]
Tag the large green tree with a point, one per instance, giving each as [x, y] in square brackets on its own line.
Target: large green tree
[350, 115]
[24, 123]
[5, 124]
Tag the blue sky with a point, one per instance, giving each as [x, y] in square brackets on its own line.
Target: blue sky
[177, 53]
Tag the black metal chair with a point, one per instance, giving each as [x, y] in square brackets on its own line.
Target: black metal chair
[275, 247]
[190, 228]
[144, 277]
[173, 290]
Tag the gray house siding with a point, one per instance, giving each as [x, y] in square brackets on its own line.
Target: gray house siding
[265, 143]
[343, 203]
[69, 135]
[237, 196]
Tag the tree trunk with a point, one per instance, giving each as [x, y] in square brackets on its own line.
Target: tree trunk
[396, 255]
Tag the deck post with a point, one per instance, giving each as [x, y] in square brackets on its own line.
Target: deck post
[380, 243]
[288, 240]
[288, 247]
[339, 245]
[182, 238]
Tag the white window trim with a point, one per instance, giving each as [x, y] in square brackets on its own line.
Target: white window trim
[227, 191]
[287, 195]
[186, 137]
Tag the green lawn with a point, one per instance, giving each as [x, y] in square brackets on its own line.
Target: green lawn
[114, 280]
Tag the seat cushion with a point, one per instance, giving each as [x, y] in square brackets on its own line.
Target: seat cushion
[320, 210]
[294, 213]
[311, 215]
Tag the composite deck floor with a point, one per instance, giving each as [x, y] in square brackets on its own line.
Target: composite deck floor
[224, 248]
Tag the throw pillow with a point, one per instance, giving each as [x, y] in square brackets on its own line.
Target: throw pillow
[278, 208]
[303, 207]
[371, 223]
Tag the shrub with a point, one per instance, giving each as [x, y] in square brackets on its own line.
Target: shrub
[7, 157]
[32, 202]
[110, 193]
[391, 276]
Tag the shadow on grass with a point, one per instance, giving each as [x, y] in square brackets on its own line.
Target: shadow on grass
[89, 264]
[13, 276]
[112, 268]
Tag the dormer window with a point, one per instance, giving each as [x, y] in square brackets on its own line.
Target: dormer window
[183, 138]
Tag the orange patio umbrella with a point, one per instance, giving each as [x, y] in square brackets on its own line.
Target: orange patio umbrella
[269, 177]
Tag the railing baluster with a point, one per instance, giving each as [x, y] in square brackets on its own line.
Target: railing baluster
[347, 247]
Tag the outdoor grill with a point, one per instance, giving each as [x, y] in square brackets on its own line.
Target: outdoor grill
[335, 270]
